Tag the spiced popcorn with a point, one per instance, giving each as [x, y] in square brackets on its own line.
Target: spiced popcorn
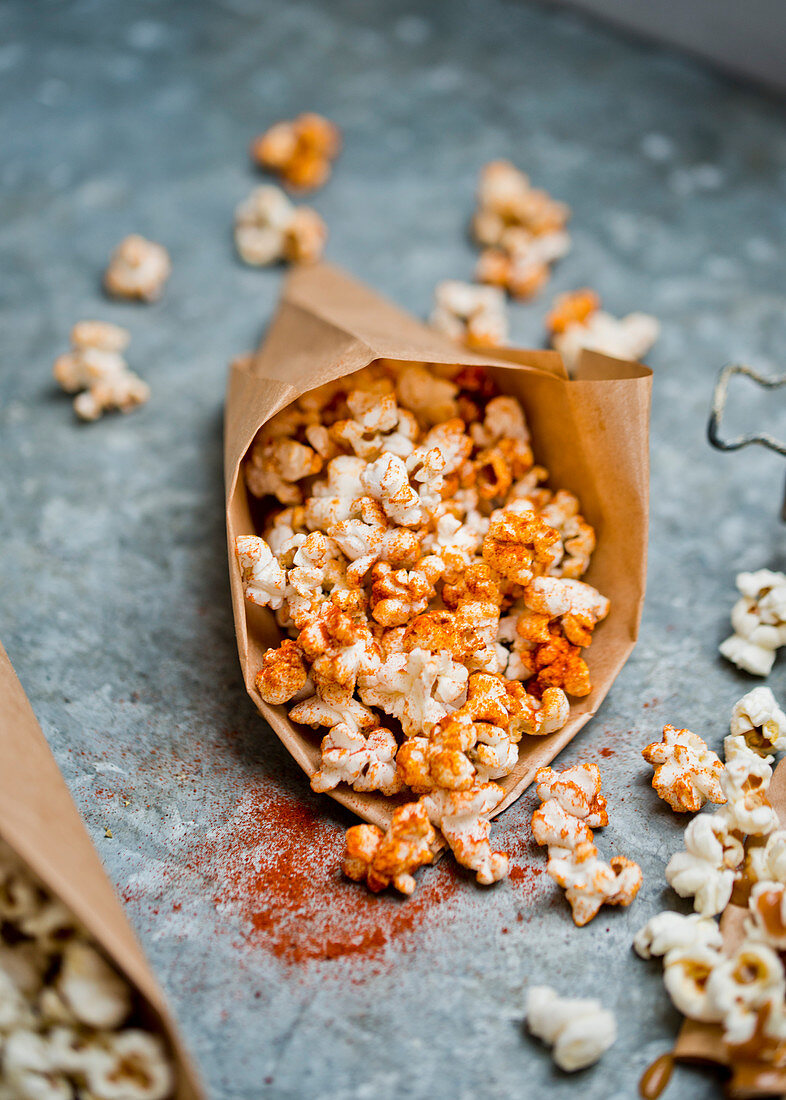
[64, 1011]
[96, 371]
[470, 314]
[521, 230]
[270, 229]
[300, 151]
[427, 580]
[576, 321]
[687, 773]
[138, 268]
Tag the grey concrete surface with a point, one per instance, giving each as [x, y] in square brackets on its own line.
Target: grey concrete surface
[114, 605]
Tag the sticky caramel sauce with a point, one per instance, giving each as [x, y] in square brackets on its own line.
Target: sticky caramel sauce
[656, 1077]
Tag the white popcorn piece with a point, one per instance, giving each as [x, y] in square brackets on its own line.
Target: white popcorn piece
[269, 228]
[707, 869]
[560, 831]
[470, 314]
[629, 337]
[579, 1031]
[590, 882]
[668, 931]
[759, 622]
[687, 772]
[96, 367]
[577, 790]
[767, 863]
[555, 597]
[367, 763]
[737, 987]
[758, 718]
[29, 1071]
[686, 975]
[138, 268]
[135, 1067]
[15, 1009]
[91, 988]
[264, 581]
[745, 781]
[417, 688]
[461, 817]
[387, 481]
[767, 914]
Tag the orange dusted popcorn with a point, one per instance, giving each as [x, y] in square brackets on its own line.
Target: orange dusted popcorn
[577, 790]
[300, 151]
[572, 308]
[382, 859]
[590, 882]
[283, 673]
[687, 773]
[425, 576]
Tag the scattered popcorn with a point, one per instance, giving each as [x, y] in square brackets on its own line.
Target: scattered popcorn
[428, 584]
[138, 268]
[759, 622]
[95, 366]
[300, 151]
[577, 790]
[63, 1007]
[758, 718]
[706, 870]
[767, 863]
[576, 322]
[384, 858]
[589, 882]
[767, 914]
[745, 781]
[668, 932]
[741, 985]
[269, 228]
[687, 773]
[470, 314]
[579, 1031]
[686, 974]
[521, 230]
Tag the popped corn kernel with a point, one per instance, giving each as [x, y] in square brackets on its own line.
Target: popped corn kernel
[759, 719]
[520, 546]
[577, 789]
[300, 151]
[667, 932]
[629, 337]
[135, 1068]
[767, 914]
[138, 268]
[707, 869]
[264, 581]
[575, 307]
[579, 1031]
[745, 781]
[269, 228]
[382, 859]
[759, 622]
[470, 314]
[364, 761]
[283, 673]
[577, 605]
[687, 773]
[590, 882]
[461, 818]
[96, 367]
[686, 974]
[739, 986]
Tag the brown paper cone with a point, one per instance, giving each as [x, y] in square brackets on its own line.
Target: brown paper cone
[40, 822]
[704, 1042]
[591, 433]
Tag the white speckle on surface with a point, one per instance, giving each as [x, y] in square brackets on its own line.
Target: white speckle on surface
[760, 250]
[52, 92]
[412, 30]
[703, 177]
[657, 147]
[147, 34]
[10, 56]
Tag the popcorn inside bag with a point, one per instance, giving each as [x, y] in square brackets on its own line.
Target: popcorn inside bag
[70, 1024]
[425, 579]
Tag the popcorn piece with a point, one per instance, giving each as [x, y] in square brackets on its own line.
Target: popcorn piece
[554, 826]
[669, 932]
[138, 268]
[520, 546]
[135, 1068]
[269, 228]
[469, 314]
[767, 863]
[589, 882]
[283, 673]
[577, 790]
[299, 151]
[96, 366]
[767, 919]
[387, 481]
[631, 337]
[741, 985]
[577, 605]
[461, 817]
[366, 763]
[759, 622]
[745, 781]
[686, 975]
[579, 1031]
[758, 718]
[706, 870]
[264, 581]
[97, 996]
[687, 773]
[384, 858]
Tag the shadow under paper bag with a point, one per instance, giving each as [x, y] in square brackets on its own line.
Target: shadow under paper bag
[591, 432]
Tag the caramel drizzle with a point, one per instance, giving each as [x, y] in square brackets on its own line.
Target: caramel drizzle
[656, 1077]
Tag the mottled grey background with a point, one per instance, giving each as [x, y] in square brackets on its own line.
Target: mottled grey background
[115, 604]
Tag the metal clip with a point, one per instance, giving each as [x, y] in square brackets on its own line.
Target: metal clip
[718, 405]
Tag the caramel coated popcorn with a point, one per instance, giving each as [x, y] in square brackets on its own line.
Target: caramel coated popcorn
[427, 581]
[576, 321]
[66, 1015]
[269, 229]
[687, 773]
[300, 151]
[97, 372]
[520, 228]
[138, 268]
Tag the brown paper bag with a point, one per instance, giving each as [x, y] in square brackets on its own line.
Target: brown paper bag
[40, 822]
[591, 433]
[704, 1042]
